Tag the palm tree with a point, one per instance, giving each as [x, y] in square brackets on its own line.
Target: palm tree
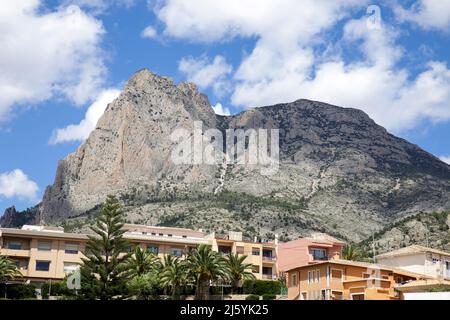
[8, 270]
[351, 253]
[174, 275]
[142, 262]
[206, 266]
[238, 270]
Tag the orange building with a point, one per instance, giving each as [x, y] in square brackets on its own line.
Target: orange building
[347, 280]
[318, 247]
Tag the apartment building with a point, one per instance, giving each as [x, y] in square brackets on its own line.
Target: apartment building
[47, 253]
[316, 248]
[346, 280]
[262, 255]
[418, 259]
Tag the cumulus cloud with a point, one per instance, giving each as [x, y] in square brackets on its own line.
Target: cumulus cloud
[149, 33]
[80, 132]
[428, 14]
[17, 184]
[295, 57]
[48, 53]
[207, 74]
[221, 110]
[446, 159]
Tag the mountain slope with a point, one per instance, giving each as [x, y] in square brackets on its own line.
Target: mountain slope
[340, 172]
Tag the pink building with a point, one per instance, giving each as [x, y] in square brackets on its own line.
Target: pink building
[316, 248]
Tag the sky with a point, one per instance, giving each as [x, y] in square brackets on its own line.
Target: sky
[62, 62]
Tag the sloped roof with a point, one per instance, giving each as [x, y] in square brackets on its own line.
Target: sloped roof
[421, 285]
[366, 265]
[414, 249]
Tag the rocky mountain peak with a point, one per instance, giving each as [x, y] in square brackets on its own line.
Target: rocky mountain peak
[339, 171]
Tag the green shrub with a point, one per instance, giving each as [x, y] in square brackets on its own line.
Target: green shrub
[57, 289]
[18, 291]
[269, 297]
[252, 297]
[260, 287]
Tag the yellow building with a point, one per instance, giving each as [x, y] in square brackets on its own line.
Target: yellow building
[347, 280]
[48, 253]
[262, 256]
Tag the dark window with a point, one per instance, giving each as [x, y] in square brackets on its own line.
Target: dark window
[153, 249]
[71, 248]
[256, 251]
[42, 265]
[15, 245]
[319, 254]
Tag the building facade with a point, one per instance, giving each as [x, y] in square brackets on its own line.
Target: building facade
[346, 280]
[318, 247]
[48, 253]
[418, 259]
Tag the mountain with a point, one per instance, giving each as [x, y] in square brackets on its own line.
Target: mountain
[339, 171]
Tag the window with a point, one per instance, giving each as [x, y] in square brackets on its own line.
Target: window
[70, 267]
[317, 275]
[337, 295]
[255, 269]
[240, 250]
[255, 251]
[44, 245]
[42, 265]
[310, 278]
[358, 296]
[177, 252]
[153, 249]
[169, 235]
[71, 248]
[323, 294]
[294, 280]
[336, 275]
[319, 254]
[15, 245]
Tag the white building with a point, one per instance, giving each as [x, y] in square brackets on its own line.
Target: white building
[418, 259]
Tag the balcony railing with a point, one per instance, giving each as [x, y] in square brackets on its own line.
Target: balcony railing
[269, 258]
[269, 276]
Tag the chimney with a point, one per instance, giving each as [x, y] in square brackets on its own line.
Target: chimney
[276, 239]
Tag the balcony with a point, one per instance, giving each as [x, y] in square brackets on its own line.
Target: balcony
[269, 258]
[15, 252]
[269, 277]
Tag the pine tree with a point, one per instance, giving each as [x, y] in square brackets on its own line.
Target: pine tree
[104, 270]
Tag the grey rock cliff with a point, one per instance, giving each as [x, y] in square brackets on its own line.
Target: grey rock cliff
[340, 172]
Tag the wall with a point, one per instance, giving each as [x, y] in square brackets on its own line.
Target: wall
[426, 296]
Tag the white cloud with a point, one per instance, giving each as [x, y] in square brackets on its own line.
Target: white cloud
[221, 110]
[446, 159]
[80, 132]
[46, 54]
[98, 6]
[428, 14]
[17, 184]
[206, 74]
[294, 57]
[149, 33]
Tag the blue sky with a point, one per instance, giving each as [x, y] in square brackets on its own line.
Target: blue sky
[61, 62]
